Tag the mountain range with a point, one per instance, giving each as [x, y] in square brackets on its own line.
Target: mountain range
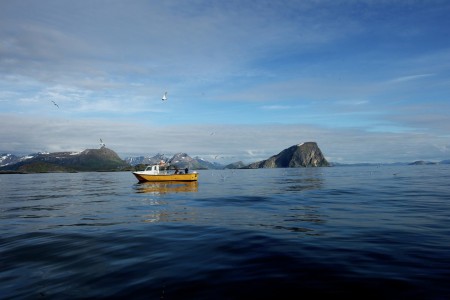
[302, 155]
[102, 159]
[181, 160]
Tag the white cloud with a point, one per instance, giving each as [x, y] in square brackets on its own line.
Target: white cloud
[232, 142]
[224, 62]
[275, 107]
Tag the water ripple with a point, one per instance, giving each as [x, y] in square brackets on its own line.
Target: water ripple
[358, 233]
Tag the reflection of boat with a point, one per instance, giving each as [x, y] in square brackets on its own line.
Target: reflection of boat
[167, 187]
[153, 173]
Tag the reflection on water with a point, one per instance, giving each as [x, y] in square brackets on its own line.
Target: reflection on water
[159, 210]
[164, 215]
[166, 187]
[303, 184]
[171, 211]
[298, 180]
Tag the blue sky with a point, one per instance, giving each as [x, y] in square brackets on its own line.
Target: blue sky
[369, 81]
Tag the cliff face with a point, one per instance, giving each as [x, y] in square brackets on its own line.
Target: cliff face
[302, 155]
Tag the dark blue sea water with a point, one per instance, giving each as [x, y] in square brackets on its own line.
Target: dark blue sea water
[351, 232]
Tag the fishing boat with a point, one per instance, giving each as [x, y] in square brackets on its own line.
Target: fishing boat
[155, 174]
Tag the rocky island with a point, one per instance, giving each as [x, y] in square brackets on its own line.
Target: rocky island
[302, 155]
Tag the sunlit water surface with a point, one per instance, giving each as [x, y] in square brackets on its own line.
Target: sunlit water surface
[354, 232]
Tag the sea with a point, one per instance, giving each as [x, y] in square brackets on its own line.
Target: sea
[365, 232]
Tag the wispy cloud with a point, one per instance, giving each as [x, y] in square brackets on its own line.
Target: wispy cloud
[233, 142]
[411, 77]
[275, 107]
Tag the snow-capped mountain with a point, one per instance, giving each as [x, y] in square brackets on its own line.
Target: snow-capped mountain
[103, 159]
[10, 159]
[146, 160]
[180, 160]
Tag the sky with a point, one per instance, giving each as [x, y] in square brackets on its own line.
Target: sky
[368, 81]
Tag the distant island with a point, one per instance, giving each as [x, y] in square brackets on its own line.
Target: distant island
[102, 159]
[297, 156]
[423, 162]
[106, 160]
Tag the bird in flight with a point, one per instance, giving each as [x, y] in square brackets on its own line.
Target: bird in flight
[164, 96]
[55, 104]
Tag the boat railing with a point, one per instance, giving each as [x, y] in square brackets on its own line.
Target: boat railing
[164, 170]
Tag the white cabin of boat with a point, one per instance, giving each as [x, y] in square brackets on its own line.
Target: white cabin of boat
[153, 170]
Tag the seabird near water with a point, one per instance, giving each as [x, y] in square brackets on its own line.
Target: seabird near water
[55, 104]
[164, 97]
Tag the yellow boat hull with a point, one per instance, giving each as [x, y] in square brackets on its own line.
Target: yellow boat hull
[166, 177]
[167, 187]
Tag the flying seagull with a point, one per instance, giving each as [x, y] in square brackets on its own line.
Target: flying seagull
[164, 96]
[55, 104]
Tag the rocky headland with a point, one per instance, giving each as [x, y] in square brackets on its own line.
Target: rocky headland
[302, 155]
